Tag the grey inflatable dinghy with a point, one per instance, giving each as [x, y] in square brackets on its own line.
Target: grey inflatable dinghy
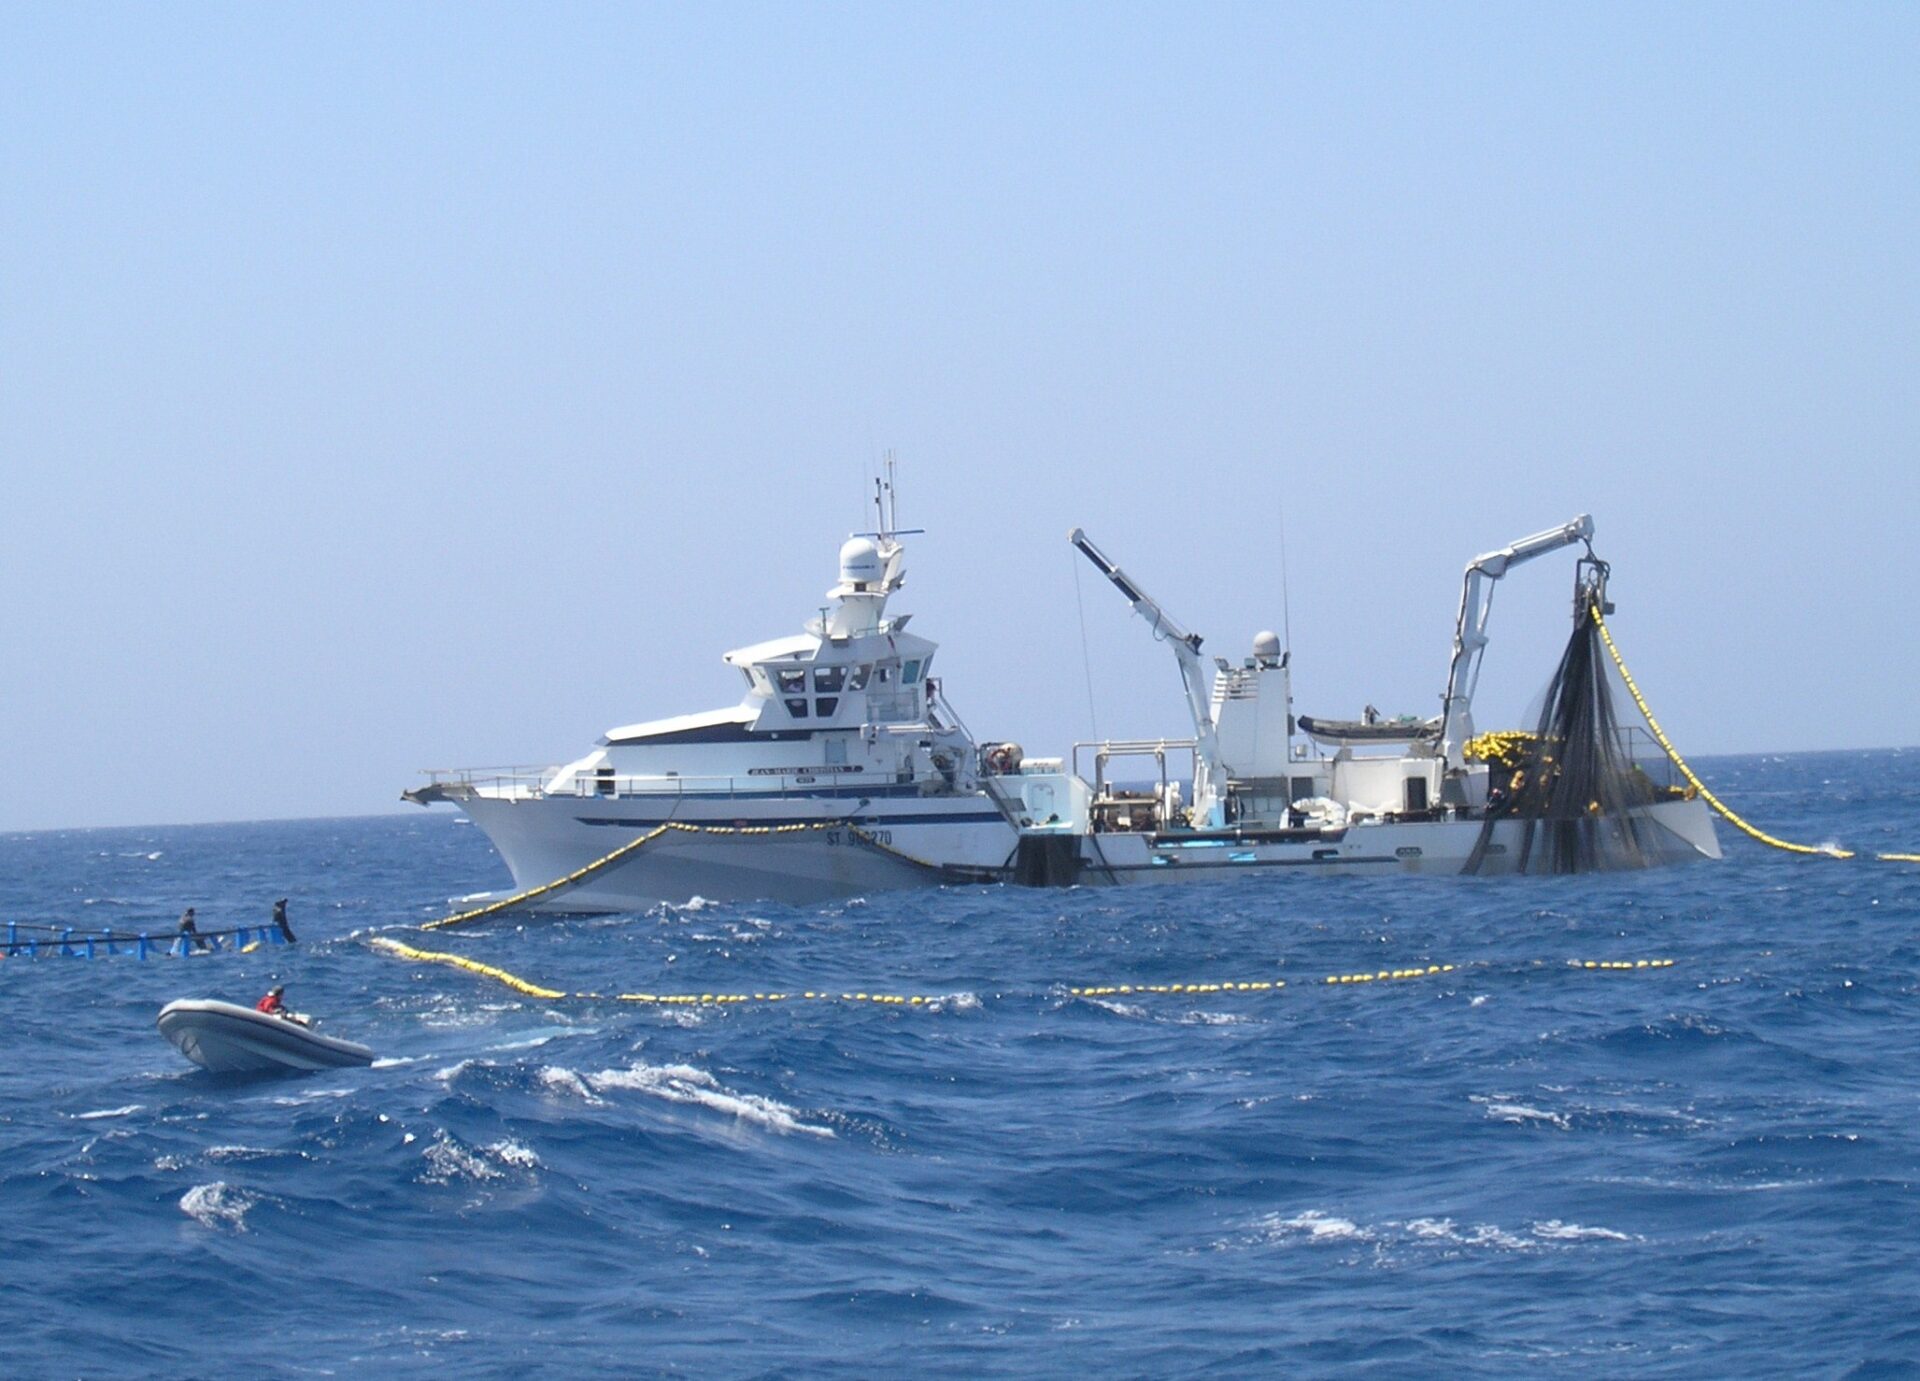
[229, 1039]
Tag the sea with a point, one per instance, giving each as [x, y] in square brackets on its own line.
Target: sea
[1549, 1158]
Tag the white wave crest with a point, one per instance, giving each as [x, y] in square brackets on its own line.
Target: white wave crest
[237, 1152]
[1388, 1240]
[954, 1002]
[448, 1160]
[686, 1084]
[513, 1153]
[98, 1113]
[1504, 1109]
[1443, 1230]
[218, 1205]
[1553, 1230]
[567, 1081]
[1312, 1226]
[691, 906]
[1131, 1011]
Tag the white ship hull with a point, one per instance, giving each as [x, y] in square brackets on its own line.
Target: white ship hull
[1670, 832]
[848, 847]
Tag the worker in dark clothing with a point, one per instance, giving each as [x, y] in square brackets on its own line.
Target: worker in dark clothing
[280, 921]
[189, 930]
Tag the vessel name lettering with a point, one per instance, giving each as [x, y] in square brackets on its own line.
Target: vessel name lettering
[860, 837]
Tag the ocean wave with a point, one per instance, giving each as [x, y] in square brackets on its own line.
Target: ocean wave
[513, 1153]
[239, 1153]
[98, 1113]
[218, 1205]
[1503, 1108]
[687, 1084]
[1553, 1230]
[954, 1002]
[1217, 1019]
[449, 1160]
[1313, 1226]
[1446, 1232]
[1317, 1227]
[569, 1082]
[692, 906]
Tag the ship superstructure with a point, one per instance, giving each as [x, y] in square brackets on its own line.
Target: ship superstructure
[842, 770]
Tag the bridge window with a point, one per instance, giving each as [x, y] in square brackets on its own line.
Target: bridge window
[858, 680]
[797, 707]
[826, 705]
[829, 678]
[792, 682]
[912, 673]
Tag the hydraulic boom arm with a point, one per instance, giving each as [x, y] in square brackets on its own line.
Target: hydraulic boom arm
[1470, 632]
[1193, 674]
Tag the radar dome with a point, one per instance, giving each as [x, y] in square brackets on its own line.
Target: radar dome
[1266, 646]
[859, 562]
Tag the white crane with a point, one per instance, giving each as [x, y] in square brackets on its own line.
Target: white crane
[1208, 810]
[1470, 633]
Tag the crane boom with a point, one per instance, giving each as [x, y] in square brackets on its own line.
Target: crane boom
[1193, 675]
[1470, 631]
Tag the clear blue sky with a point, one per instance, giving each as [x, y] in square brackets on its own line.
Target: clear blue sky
[393, 386]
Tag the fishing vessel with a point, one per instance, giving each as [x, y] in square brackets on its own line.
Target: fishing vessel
[843, 770]
[1576, 792]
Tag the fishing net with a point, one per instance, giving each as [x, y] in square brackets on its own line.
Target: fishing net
[1573, 782]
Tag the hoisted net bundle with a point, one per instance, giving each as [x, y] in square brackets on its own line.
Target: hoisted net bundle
[1572, 782]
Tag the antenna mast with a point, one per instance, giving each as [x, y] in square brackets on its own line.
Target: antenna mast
[886, 498]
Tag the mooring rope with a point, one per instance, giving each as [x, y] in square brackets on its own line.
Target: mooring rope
[1725, 811]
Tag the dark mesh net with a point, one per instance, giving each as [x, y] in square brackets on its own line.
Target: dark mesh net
[1573, 783]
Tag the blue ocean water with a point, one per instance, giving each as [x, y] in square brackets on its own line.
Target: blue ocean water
[1520, 1165]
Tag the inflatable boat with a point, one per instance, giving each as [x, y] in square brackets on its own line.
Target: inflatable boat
[1355, 733]
[229, 1039]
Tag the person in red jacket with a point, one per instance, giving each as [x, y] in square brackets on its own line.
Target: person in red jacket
[271, 1003]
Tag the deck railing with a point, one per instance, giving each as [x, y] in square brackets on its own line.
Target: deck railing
[526, 783]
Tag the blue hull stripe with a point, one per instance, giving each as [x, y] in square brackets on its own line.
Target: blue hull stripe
[865, 820]
[875, 790]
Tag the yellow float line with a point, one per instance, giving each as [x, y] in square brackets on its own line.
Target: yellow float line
[1127, 989]
[1726, 812]
[522, 986]
[1390, 975]
[460, 961]
[558, 884]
